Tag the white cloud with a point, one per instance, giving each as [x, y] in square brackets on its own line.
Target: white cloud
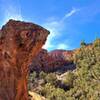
[10, 11]
[55, 27]
[62, 46]
[74, 10]
[69, 14]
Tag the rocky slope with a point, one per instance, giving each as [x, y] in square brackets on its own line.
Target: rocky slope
[51, 61]
[19, 43]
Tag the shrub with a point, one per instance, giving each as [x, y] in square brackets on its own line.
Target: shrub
[51, 78]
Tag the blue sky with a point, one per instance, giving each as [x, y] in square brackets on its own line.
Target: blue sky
[69, 21]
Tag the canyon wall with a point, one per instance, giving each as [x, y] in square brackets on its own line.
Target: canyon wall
[61, 60]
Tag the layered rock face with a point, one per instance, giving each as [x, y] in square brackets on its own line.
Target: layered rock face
[52, 61]
[20, 42]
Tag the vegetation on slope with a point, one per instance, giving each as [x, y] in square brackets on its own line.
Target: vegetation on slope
[81, 84]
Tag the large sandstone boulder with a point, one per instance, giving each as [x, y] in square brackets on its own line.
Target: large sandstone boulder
[19, 43]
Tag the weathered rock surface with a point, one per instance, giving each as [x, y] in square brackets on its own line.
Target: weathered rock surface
[52, 61]
[19, 43]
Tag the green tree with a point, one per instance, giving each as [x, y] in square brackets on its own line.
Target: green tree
[52, 93]
[51, 78]
[69, 79]
[42, 75]
[83, 43]
[97, 42]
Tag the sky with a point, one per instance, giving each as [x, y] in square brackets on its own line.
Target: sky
[69, 21]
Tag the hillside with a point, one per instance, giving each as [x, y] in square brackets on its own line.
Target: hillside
[83, 83]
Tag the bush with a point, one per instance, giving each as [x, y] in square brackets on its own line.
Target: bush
[51, 78]
[83, 43]
[42, 75]
[32, 76]
[97, 43]
[69, 78]
[52, 93]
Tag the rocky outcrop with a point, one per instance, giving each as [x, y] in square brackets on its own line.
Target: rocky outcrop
[51, 61]
[19, 43]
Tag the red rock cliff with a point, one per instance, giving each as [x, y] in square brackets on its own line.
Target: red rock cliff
[52, 61]
[19, 43]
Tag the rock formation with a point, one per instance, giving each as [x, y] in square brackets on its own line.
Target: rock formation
[52, 61]
[19, 43]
